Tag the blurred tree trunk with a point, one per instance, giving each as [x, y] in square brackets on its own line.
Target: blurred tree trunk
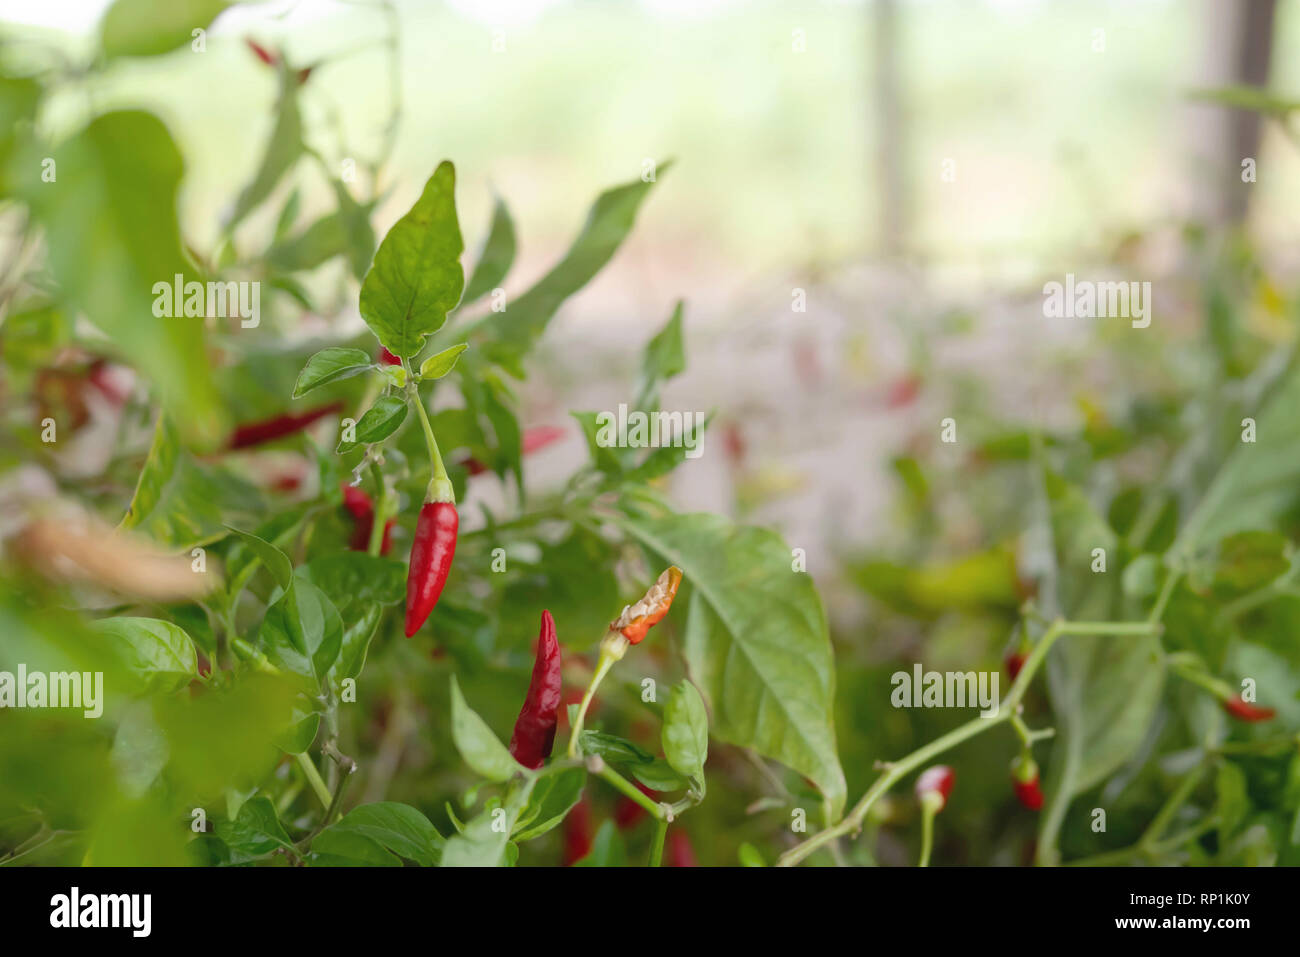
[1238, 52]
[889, 127]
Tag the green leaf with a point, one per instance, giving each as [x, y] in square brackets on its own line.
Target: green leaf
[1259, 481]
[302, 632]
[614, 749]
[416, 277]
[511, 333]
[1104, 690]
[686, 731]
[1250, 560]
[276, 561]
[180, 503]
[158, 654]
[482, 841]
[607, 849]
[152, 27]
[379, 422]
[283, 150]
[1249, 98]
[1232, 801]
[111, 234]
[496, 257]
[476, 743]
[440, 363]
[329, 365]
[360, 585]
[255, 832]
[376, 833]
[665, 357]
[552, 798]
[659, 775]
[756, 643]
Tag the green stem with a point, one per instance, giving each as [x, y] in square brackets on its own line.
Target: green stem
[1158, 609]
[927, 834]
[602, 668]
[657, 845]
[381, 514]
[313, 778]
[625, 787]
[852, 823]
[439, 481]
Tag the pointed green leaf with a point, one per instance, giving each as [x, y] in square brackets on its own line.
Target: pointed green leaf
[158, 654]
[329, 365]
[686, 731]
[380, 421]
[416, 277]
[476, 743]
[439, 364]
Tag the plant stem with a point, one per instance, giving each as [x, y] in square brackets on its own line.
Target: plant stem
[381, 514]
[435, 457]
[1158, 609]
[313, 778]
[657, 845]
[852, 823]
[602, 668]
[624, 786]
[927, 834]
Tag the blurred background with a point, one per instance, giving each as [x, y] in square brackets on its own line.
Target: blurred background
[912, 170]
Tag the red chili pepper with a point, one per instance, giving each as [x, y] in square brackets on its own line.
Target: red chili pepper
[1024, 780]
[431, 554]
[261, 52]
[302, 75]
[277, 427]
[356, 501]
[1245, 711]
[1014, 662]
[387, 358]
[638, 619]
[680, 853]
[577, 833]
[534, 734]
[937, 780]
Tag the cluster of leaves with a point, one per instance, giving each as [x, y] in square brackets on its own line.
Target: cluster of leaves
[1175, 501]
[233, 722]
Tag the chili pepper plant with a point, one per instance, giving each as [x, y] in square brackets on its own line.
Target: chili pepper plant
[323, 616]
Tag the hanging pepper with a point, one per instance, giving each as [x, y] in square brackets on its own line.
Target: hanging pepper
[431, 554]
[534, 734]
[934, 785]
[534, 438]
[1024, 780]
[356, 501]
[277, 427]
[1243, 710]
[387, 358]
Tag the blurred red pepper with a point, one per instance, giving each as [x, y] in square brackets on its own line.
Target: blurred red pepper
[277, 427]
[362, 507]
[577, 833]
[679, 852]
[1245, 711]
[935, 784]
[387, 358]
[261, 52]
[534, 734]
[1024, 780]
[537, 437]
[1014, 662]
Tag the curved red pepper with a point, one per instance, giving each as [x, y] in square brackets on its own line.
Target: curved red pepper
[534, 734]
[387, 358]
[277, 427]
[356, 501]
[431, 554]
[1245, 711]
[577, 833]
